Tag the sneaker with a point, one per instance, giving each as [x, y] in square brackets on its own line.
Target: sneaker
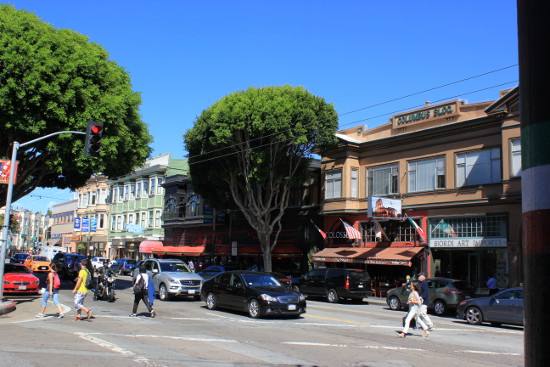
[153, 313]
[133, 315]
[40, 315]
[430, 328]
[60, 316]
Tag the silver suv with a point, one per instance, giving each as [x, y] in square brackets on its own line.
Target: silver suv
[171, 278]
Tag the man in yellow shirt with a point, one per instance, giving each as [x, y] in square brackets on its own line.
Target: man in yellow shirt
[81, 291]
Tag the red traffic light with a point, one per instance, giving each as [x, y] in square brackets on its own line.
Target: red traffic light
[92, 145]
[96, 129]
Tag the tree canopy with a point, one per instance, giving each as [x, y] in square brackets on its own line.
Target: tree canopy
[252, 147]
[56, 80]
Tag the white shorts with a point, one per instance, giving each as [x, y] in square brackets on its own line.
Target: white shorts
[79, 300]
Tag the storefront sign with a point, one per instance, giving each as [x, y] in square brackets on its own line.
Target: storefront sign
[383, 207]
[469, 242]
[426, 114]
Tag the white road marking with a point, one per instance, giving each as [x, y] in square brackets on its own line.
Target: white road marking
[209, 340]
[488, 352]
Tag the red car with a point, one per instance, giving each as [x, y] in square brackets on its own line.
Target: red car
[18, 279]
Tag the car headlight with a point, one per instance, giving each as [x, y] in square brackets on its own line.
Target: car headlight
[302, 298]
[268, 298]
[110, 279]
[36, 282]
[172, 280]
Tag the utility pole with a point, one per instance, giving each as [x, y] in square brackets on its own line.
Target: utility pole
[4, 238]
[534, 94]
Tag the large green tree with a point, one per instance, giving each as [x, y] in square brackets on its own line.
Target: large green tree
[56, 80]
[252, 147]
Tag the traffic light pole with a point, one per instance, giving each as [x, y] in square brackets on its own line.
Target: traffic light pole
[4, 238]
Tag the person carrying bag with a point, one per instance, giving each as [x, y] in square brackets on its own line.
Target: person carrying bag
[414, 302]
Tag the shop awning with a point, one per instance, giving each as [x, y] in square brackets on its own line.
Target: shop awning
[279, 250]
[179, 250]
[146, 247]
[54, 241]
[373, 255]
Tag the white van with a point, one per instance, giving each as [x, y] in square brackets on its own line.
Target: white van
[50, 251]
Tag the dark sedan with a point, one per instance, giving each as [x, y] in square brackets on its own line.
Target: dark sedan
[18, 258]
[257, 293]
[504, 307]
[123, 266]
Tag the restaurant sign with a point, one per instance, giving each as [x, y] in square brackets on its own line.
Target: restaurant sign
[468, 242]
[426, 114]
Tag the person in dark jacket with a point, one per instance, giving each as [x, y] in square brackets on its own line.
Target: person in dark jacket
[425, 294]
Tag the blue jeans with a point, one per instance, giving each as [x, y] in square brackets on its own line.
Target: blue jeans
[55, 297]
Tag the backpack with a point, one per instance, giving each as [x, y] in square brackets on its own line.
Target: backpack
[139, 288]
[56, 281]
[89, 281]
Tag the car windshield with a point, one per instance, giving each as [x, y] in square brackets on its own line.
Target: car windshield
[358, 276]
[132, 262]
[462, 285]
[260, 280]
[40, 258]
[174, 267]
[10, 268]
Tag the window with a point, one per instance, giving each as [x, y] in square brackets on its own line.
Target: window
[479, 167]
[145, 191]
[150, 222]
[515, 147]
[120, 193]
[153, 181]
[427, 175]
[143, 219]
[84, 200]
[382, 180]
[131, 219]
[333, 184]
[132, 191]
[119, 225]
[158, 214]
[126, 191]
[159, 186]
[113, 223]
[101, 221]
[493, 225]
[138, 191]
[102, 196]
[354, 181]
[93, 197]
[392, 231]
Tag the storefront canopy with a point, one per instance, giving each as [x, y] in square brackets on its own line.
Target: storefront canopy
[179, 250]
[54, 241]
[373, 255]
[146, 247]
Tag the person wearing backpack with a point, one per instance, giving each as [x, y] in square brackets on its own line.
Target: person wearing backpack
[81, 288]
[53, 283]
[141, 286]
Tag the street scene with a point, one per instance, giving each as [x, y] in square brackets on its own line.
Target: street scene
[186, 333]
[287, 184]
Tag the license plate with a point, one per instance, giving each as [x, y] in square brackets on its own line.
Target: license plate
[22, 287]
[192, 291]
[291, 307]
[43, 268]
[360, 286]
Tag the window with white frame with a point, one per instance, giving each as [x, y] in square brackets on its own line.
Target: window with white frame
[427, 174]
[153, 181]
[138, 189]
[333, 184]
[119, 223]
[143, 219]
[131, 218]
[102, 196]
[101, 221]
[158, 214]
[126, 191]
[354, 183]
[113, 222]
[93, 197]
[159, 186]
[150, 221]
[120, 193]
[145, 191]
[84, 200]
[382, 181]
[132, 191]
[515, 152]
[478, 167]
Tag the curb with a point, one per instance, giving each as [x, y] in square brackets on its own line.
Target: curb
[7, 307]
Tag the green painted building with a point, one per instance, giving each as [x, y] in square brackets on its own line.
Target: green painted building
[137, 206]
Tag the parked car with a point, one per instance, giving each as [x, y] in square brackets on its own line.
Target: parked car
[123, 266]
[98, 262]
[171, 278]
[334, 284]
[66, 264]
[504, 307]
[211, 271]
[37, 263]
[257, 293]
[18, 279]
[18, 258]
[445, 294]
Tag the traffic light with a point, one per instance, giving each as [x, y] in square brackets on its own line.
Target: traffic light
[93, 139]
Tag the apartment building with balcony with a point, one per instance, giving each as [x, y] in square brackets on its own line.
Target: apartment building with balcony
[455, 170]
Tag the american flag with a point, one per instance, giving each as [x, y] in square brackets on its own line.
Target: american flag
[351, 232]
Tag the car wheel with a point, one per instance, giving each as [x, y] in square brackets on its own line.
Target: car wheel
[332, 296]
[394, 303]
[254, 308]
[163, 293]
[211, 301]
[440, 307]
[474, 316]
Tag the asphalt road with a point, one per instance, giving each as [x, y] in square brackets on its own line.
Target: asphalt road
[185, 333]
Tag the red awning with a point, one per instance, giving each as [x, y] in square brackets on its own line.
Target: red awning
[146, 247]
[372, 255]
[179, 250]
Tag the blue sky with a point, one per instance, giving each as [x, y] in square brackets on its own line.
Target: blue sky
[365, 57]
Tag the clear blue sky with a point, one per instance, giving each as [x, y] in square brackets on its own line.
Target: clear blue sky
[183, 56]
